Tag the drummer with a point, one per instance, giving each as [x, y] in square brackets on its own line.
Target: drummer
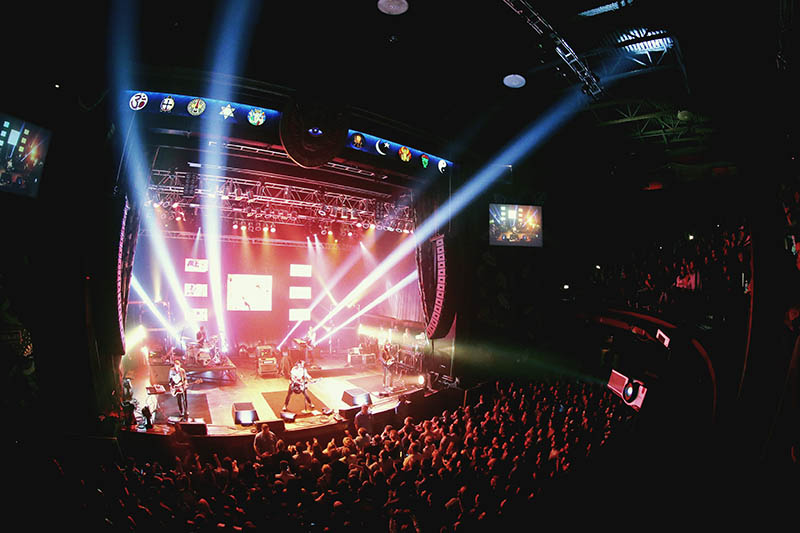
[201, 336]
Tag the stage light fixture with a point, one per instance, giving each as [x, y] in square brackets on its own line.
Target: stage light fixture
[358, 224]
[349, 233]
[258, 226]
[175, 205]
[372, 226]
[235, 225]
[272, 228]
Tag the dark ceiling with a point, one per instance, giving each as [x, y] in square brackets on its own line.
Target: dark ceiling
[436, 71]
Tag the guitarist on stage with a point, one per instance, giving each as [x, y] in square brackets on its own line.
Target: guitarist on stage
[178, 386]
[299, 378]
[387, 362]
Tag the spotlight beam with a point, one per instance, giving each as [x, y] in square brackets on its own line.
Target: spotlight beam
[518, 148]
[343, 269]
[153, 309]
[235, 23]
[400, 285]
[132, 165]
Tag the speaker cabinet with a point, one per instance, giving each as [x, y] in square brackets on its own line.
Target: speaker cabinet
[159, 373]
[244, 413]
[276, 426]
[313, 131]
[356, 397]
[349, 413]
[193, 428]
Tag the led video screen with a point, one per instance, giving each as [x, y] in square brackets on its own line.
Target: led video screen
[249, 292]
[23, 148]
[515, 225]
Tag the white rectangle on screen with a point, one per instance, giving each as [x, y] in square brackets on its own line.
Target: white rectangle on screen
[300, 271]
[299, 314]
[196, 290]
[299, 293]
[195, 265]
[249, 292]
[200, 314]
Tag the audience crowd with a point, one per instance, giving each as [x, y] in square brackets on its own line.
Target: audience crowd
[468, 469]
[703, 273]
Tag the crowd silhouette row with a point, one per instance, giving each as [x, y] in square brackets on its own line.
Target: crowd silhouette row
[707, 273]
[468, 469]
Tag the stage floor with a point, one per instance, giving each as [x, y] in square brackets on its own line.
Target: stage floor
[211, 400]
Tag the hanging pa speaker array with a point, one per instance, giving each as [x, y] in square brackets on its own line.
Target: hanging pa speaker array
[312, 130]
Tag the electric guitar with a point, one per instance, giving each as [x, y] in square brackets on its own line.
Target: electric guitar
[387, 358]
[178, 388]
[300, 384]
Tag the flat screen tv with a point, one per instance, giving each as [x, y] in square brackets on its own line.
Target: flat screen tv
[23, 150]
[515, 225]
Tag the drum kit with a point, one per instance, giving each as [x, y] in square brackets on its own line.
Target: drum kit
[203, 355]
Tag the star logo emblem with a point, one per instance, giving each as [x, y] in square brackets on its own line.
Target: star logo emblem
[227, 111]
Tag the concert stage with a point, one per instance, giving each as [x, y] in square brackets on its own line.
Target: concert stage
[214, 402]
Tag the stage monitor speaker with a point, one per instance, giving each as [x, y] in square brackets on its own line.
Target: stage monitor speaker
[287, 416]
[244, 413]
[194, 428]
[357, 397]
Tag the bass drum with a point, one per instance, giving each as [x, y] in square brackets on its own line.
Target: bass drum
[204, 356]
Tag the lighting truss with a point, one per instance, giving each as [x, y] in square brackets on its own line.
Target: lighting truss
[287, 243]
[589, 82]
[273, 202]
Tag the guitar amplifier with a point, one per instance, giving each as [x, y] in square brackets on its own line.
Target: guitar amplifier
[267, 365]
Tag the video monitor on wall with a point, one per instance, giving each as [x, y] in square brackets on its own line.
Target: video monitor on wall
[515, 225]
[23, 149]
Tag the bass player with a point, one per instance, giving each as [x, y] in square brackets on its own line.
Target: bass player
[298, 381]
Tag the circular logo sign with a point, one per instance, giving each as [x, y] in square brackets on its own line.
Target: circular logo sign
[196, 107]
[138, 101]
